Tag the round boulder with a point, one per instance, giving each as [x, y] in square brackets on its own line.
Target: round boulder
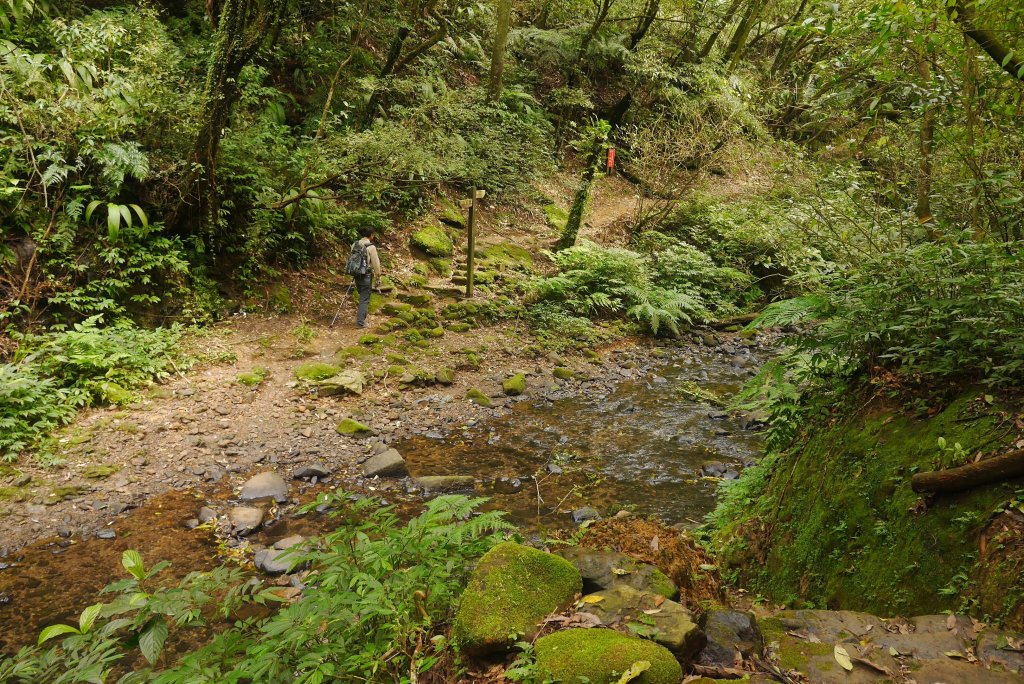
[602, 656]
[268, 485]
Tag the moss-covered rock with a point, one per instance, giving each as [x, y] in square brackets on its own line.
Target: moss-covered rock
[432, 332]
[253, 378]
[478, 398]
[315, 371]
[393, 308]
[562, 373]
[515, 385]
[507, 255]
[445, 376]
[440, 266]
[348, 426]
[433, 241]
[99, 471]
[460, 327]
[419, 299]
[354, 352]
[513, 588]
[113, 393]
[601, 656]
[369, 339]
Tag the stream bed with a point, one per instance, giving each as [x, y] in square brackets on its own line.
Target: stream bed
[647, 443]
[646, 446]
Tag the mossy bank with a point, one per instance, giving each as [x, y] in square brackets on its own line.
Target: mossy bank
[833, 521]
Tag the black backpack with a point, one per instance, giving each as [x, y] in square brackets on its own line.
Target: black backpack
[358, 261]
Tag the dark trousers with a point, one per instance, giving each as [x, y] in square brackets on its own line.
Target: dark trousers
[364, 285]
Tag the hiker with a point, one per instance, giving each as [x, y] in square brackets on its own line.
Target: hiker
[364, 266]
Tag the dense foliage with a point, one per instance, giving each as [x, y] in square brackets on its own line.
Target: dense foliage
[373, 607]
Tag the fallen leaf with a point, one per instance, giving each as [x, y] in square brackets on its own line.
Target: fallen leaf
[655, 543]
[893, 652]
[593, 598]
[658, 600]
[843, 658]
[653, 611]
[634, 671]
[620, 571]
[707, 567]
[955, 654]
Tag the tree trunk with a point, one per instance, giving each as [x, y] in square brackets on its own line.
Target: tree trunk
[738, 43]
[243, 27]
[923, 208]
[579, 202]
[709, 45]
[951, 480]
[964, 13]
[504, 17]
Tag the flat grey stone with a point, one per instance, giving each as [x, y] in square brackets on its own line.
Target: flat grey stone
[388, 464]
[310, 471]
[584, 514]
[245, 519]
[206, 514]
[273, 561]
[289, 542]
[268, 485]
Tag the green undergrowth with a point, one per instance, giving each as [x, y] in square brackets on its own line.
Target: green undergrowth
[53, 375]
[833, 522]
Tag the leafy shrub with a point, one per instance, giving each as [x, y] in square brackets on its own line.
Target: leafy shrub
[55, 374]
[682, 267]
[382, 588]
[596, 281]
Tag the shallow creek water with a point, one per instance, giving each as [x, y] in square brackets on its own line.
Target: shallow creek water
[640, 445]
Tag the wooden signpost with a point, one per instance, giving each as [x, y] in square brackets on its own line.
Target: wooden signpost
[470, 204]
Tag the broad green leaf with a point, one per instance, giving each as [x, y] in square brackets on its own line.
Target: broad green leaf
[142, 215]
[88, 617]
[152, 639]
[113, 220]
[126, 214]
[91, 208]
[56, 630]
[132, 562]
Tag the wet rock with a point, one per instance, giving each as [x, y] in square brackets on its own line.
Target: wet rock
[273, 561]
[289, 542]
[206, 514]
[585, 514]
[659, 380]
[387, 464]
[607, 569]
[192, 523]
[267, 485]
[731, 474]
[554, 469]
[106, 533]
[674, 626]
[731, 635]
[713, 469]
[512, 589]
[310, 471]
[1001, 650]
[446, 483]
[601, 656]
[245, 519]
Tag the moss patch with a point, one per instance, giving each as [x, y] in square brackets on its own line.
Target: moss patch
[601, 656]
[99, 471]
[563, 373]
[556, 216]
[348, 426]
[844, 528]
[255, 377]
[433, 241]
[316, 370]
[515, 385]
[507, 255]
[478, 398]
[513, 588]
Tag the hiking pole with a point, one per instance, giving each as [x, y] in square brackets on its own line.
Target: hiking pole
[343, 300]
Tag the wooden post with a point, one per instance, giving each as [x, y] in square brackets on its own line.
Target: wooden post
[470, 257]
[471, 234]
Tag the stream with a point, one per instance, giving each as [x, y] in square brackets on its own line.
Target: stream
[644, 445]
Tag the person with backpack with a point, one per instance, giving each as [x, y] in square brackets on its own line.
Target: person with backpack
[364, 266]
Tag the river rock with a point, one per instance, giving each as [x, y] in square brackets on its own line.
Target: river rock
[585, 514]
[345, 382]
[244, 519]
[512, 589]
[606, 569]
[388, 464]
[674, 626]
[308, 472]
[731, 636]
[446, 483]
[106, 533]
[273, 561]
[268, 485]
[713, 469]
[1001, 650]
[206, 514]
[289, 542]
[601, 656]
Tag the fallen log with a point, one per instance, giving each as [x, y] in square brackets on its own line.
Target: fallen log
[995, 469]
[742, 319]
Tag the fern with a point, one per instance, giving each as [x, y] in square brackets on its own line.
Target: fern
[792, 311]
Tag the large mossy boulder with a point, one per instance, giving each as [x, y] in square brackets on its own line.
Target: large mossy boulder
[433, 241]
[512, 590]
[602, 656]
[663, 621]
[515, 385]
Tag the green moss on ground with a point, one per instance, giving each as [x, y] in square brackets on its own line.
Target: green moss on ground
[556, 216]
[601, 656]
[99, 471]
[513, 588]
[369, 339]
[505, 256]
[433, 241]
[839, 525]
[515, 385]
[255, 377]
[478, 398]
[348, 426]
[316, 370]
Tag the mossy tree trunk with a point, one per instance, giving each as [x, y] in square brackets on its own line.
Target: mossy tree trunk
[243, 27]
[504, 19]
[596, 146]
